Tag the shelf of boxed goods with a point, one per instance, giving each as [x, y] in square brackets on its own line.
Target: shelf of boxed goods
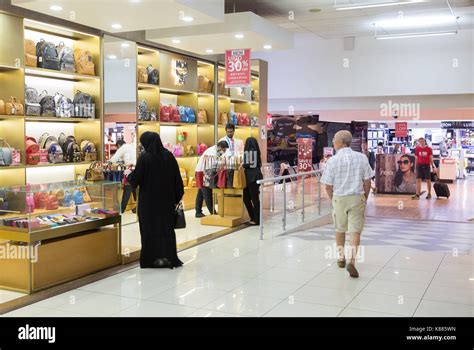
[54, 74]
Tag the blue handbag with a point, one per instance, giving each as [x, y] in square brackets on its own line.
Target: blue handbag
[78, 197]
[67, 199]
[191, 117]
[233, 118]
[182, 114]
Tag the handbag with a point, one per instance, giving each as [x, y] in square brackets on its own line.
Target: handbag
[40, 200]
[222, 176]
[2, 107]
[14, 107]
[179, 218]
[52, 202]
[199, 179]
[165, 113]
[240, 181]
[95, 172]
[78, 197]
[5, 153]
[223, 118]
[142, 75]
[230, 178]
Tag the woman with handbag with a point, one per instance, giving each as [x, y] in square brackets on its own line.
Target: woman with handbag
[252, 164]
[161, 189]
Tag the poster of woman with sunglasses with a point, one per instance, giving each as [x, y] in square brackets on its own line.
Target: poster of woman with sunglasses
[395, 173]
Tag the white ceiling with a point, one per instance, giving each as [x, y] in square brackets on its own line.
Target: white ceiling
[132, 15]
[330, 23]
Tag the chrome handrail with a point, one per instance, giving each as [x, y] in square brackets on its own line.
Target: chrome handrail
[283, 178]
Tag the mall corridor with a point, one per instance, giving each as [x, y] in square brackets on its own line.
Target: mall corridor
[407, 268]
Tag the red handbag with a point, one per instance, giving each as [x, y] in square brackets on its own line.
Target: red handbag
[240, 120]
[52, 202]
[40, 200]
[175, 116]
[245, 119]
[199, 179]
[222, 177]
[165, 113]
[32, 151]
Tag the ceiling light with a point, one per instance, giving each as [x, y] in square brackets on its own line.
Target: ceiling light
[209, 51]
[370, 5]
[314, 10]
[413, 35]
[239, 36]
[117, 26]
[187, 19]
[267, 47]
[112, 57]
[416, 22]
[176, 41]
[125, 45]
[55, 8]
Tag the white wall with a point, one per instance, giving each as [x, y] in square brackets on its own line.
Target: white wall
[417, 66]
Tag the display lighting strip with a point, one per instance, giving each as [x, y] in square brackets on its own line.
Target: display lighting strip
[414, 35]
[370, 5]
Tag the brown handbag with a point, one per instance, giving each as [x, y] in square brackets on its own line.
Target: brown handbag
[95, 172]
[142, 74]
[223, 118]
[30, 47]
[204, 84]
[14, 107]
[202, 116]
[2, 107]
[84, 62]
[30, 60]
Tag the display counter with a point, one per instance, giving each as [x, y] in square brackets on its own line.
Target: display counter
[54, 233]
[231, 210]
[447, 170]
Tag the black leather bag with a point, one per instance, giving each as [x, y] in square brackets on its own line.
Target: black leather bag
[180, 219]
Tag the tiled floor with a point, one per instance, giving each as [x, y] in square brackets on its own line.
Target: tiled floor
[407, 269]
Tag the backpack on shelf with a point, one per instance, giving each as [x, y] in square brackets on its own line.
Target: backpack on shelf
[31, 60]
[153, 75]
[47, 55]
[71, 150]
[84, 62]
[89, 151]
[175, 114]
[182, 114]
[165, 113]
[254, 120]
[64, 107]
[32, 99]
[190, 115]
[202, 116]
[223, 118]
[142, 75]
[55, 153]
[143, 113]
[66, 58]
[32, 151]
[153, 115]
[233, 118]
[84, 106]
[48, 107]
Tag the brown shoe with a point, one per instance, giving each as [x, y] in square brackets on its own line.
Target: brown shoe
[352, 270]
[341, 263]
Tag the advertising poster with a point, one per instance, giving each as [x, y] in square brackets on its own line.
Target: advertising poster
[401, 129]
[237, 68]
[395, 173]
[305, 154]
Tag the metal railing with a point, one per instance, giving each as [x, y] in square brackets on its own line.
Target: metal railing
[283, 179]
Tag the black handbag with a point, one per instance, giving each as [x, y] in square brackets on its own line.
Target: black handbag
[230, 178]
[179, 218]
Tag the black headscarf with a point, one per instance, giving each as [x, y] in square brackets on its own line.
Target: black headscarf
[251, 146]
[151, 142]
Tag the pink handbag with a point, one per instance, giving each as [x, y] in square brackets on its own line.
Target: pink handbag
[178, 150]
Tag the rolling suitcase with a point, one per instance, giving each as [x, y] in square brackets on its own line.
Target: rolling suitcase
[441, 190]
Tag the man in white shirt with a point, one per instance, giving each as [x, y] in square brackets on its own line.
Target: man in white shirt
[347, 178]
[236, 146]
[205, 193]
[126, 154]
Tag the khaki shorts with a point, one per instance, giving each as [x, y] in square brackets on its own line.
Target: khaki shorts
[349, 213]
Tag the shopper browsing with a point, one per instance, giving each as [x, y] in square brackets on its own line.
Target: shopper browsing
[252, 165]
[235, 144]
[126, 154]
[347, 178]
[205, 193]
[161, 188]
[424, 159]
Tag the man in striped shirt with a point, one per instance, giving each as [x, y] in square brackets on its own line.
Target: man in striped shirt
[347, 178]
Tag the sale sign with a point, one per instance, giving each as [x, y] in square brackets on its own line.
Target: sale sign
[237, 68]
[401, 129]
[305, 154]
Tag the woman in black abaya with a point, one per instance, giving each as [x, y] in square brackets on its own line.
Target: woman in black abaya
[160, 189]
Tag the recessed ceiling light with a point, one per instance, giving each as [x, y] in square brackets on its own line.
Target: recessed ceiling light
[112, 57]
[315, 10]
[267, 47]
[117, 26]
[239, 36]
[187, 19]
[125, 45]
[55, 8]
[176, 41]
[209, 50]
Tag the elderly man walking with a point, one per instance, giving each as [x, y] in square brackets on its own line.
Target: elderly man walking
[347, 180]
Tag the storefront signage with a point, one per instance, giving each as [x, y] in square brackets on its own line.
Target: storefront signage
[457, 125]
[237, 68]
[401, 129]
[305, 154]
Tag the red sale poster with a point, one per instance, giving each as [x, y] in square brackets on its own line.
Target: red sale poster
[305, 154]
[401, 129]
[237, 68]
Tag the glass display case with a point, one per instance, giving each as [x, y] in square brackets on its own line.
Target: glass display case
[52, 233]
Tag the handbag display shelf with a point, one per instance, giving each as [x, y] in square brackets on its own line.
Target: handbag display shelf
[73, 228]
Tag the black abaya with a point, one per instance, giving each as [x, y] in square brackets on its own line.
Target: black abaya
[160, 189]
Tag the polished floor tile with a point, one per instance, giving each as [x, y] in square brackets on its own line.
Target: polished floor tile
[383, 303]
[6, 296]
[63, 299]
[450, 295]
[429, 308]
[288, 275]
[97, 305]
[301, 309]
[364, 313]
[408, 289]
[404, 275]
[209, 313]
[27, 311]
[145, 308]
[340, 281]
[196, 297]
[270, 289]
[325, 296]
[242, 304]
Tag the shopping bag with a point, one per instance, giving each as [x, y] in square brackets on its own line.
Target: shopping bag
[240, 182]
[199, 179]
